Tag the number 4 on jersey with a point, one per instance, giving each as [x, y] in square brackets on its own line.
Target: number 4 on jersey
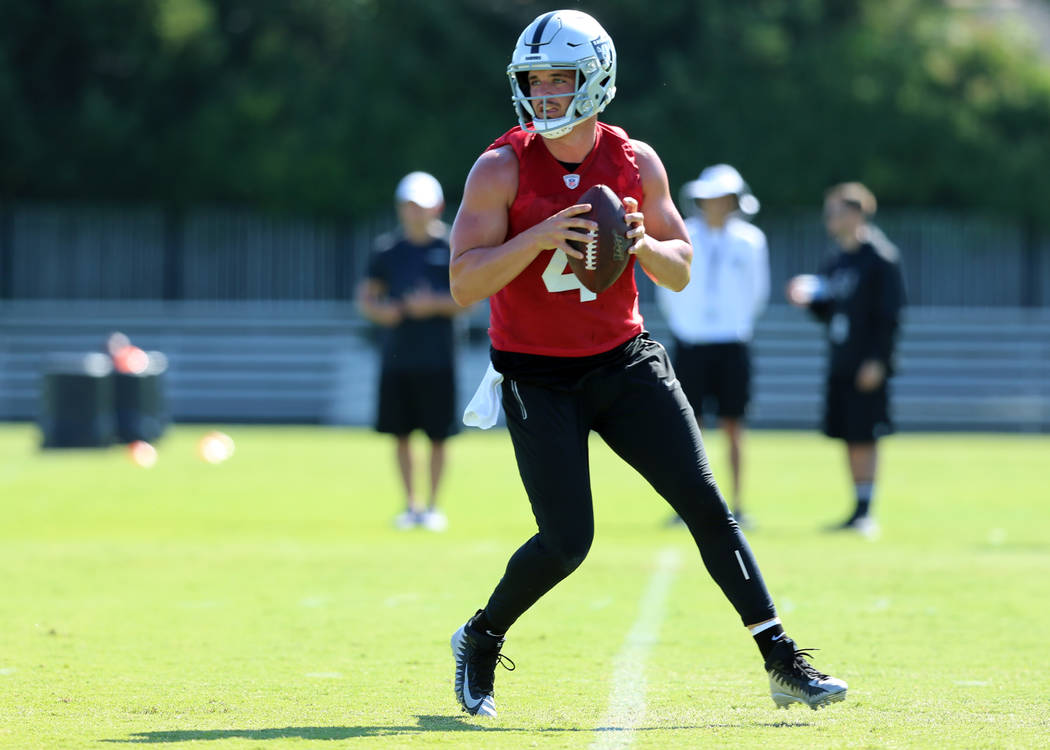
[558, 277]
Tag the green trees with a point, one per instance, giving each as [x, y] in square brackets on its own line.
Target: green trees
[926, 106]
[318, 106]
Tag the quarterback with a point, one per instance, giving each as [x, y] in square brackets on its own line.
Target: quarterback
[573, 361]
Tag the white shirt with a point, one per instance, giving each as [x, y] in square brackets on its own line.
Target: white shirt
[728, 288]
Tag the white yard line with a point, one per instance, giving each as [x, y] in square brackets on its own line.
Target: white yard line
[627, 698]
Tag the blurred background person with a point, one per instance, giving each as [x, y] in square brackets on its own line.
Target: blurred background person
[858, 295]
[712, 319]
[406, 291]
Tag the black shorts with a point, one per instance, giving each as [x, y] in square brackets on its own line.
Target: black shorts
[856, 416]
[716, 377]
[418, 401]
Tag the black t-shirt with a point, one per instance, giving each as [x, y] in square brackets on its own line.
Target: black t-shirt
[420, 344]
[862, 311]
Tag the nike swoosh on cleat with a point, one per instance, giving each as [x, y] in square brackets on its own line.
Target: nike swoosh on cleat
[469, 701]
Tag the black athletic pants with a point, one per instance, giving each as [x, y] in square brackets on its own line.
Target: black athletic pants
[640, 411]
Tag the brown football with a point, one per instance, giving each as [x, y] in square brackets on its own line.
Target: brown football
[605, 256]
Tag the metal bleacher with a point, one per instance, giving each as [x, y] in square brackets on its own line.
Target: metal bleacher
[959, 369]
[297, 362]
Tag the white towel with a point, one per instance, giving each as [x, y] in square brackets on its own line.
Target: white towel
[483, 409]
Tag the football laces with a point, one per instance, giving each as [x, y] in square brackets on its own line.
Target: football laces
[590, 252]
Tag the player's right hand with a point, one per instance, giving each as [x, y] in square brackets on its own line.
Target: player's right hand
[555, 232]
[802, 290]
[870, 375]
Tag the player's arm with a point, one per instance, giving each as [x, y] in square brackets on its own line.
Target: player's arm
[483, 259]
[885, 321]
[761, 277]
[425, 302]
[373, 303]
[446, 305]
[810, 292]
[661, 242]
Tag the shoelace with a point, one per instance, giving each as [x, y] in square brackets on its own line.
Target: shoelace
[801, 665]
[485, 662]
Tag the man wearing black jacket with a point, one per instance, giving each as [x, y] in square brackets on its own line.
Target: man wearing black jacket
[858, 295]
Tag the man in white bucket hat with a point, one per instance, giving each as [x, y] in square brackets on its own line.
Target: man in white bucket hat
[712, 319]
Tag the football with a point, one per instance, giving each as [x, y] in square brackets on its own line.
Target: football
[605, 256]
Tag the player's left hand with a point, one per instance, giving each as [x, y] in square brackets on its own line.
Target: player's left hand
[870, 375]
[636, 221]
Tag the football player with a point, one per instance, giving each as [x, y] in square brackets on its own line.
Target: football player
[574, 362]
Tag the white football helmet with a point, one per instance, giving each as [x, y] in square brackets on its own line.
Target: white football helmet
[570, 40]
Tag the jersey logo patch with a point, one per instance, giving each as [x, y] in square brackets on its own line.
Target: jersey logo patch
[572, 181]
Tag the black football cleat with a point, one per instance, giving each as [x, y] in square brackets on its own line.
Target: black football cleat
[476, 654]
[792, 679]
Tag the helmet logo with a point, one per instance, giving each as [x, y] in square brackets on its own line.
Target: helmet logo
[572, 181]
[603, 51]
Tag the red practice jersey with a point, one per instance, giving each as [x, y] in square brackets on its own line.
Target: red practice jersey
[545, 309]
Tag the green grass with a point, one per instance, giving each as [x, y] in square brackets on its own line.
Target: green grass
[268, 603]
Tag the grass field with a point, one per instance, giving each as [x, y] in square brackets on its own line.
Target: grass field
[268, 603]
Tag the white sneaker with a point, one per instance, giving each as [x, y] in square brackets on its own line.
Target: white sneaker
[867, 527]
[407, 519]
[864, 526]
[433, 520]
